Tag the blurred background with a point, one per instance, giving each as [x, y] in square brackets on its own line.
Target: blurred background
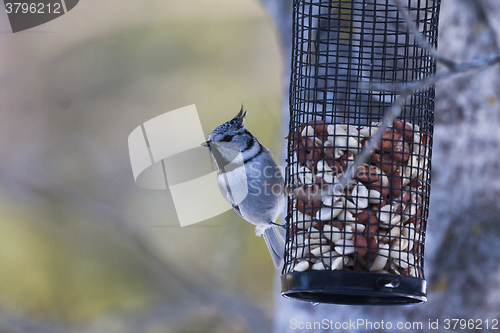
[82, 248]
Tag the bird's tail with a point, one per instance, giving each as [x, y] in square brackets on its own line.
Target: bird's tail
[276, 245]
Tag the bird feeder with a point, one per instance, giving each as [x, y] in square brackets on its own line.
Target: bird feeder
[362, 242]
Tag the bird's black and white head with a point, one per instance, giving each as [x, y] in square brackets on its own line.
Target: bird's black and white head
[230, 130]
[231, 138]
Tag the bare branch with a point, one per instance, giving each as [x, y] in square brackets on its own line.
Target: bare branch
[420, 38]
[373, 142]
[452, 66]
[412, 86]
[404, 90]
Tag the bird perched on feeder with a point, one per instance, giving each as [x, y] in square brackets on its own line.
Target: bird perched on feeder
[249, 180]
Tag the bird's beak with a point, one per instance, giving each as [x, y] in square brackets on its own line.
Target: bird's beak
[206, 144]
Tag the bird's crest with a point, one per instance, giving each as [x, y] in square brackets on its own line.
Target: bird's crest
[240, 117]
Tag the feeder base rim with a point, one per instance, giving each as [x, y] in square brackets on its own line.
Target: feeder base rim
[353, 288]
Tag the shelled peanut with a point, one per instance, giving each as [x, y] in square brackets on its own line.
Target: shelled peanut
[376, 222]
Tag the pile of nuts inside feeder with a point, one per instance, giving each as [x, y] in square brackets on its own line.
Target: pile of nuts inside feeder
[375, 223]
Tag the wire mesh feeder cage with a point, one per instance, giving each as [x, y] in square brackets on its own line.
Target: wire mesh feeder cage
[362, 243]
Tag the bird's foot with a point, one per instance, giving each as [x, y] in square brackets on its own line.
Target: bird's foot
[278, 225]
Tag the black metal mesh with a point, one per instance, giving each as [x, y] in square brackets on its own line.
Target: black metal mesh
[377, 223]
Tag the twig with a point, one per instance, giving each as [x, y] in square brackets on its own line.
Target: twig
[404, 90]
[420, 38]
[407, 88]
[372, 144]
[452, 66]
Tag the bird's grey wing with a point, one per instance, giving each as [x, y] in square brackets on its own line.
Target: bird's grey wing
[237, 209]
[233, 185]
[276, 245]
[226, 192]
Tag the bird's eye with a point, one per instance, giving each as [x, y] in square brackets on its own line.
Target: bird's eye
[227, 138]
